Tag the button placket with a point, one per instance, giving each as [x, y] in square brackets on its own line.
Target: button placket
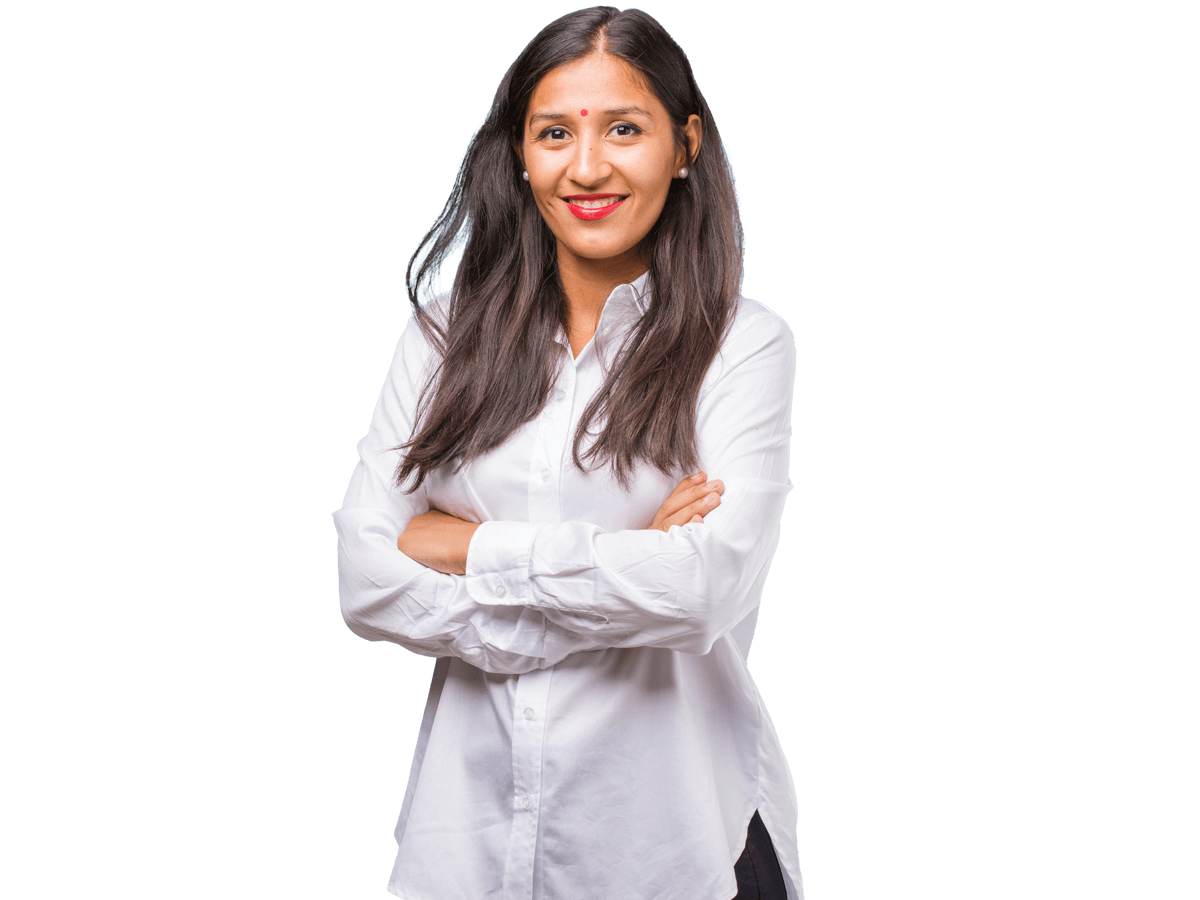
[528, 740]
[545, 468]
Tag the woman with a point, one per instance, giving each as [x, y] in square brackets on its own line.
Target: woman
[521, 510]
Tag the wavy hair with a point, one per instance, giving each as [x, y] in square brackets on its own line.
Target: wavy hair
[496, 339]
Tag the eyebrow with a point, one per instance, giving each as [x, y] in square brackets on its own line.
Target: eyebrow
[623, 111]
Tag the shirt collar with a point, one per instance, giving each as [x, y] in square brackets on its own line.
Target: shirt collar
[634, 295]
[637, 291]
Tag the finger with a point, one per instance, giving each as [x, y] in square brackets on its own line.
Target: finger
[685, 493]
[690, 482]
[700, 493]
[698, 508]
[684, 498]
[693, 492]
[678, 502]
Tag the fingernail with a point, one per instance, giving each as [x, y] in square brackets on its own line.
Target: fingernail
[713, 485]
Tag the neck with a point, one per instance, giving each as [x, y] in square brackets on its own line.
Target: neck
[587, 284]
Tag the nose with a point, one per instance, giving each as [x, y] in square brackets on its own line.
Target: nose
[589, 164]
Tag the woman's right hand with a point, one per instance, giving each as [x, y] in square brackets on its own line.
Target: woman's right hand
[692, 499]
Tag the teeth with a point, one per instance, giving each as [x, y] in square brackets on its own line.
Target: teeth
[595, 204]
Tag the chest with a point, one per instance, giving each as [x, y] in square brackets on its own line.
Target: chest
[533, 477]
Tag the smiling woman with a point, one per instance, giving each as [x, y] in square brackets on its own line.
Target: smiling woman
[623, 157]
[570, 494]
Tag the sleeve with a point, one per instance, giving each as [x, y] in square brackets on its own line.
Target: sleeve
[685, 588]
[385, 595]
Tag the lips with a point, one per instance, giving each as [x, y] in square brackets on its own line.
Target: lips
[590, 207]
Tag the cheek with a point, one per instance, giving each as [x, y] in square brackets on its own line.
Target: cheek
[656, 181]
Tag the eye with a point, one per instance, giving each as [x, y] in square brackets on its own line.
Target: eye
[625, 129]
[554, 133]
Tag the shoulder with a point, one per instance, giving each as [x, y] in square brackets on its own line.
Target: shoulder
[758, 348]
[757, 316]
[418, 352]
[421, 335]
[759, 351]
[438, 309]
[756, 360]
[755, 329]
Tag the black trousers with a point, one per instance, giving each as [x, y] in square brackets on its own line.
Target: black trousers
[757, 869]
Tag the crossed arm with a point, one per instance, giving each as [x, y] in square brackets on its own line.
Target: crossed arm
[525, 595]
[441, 542]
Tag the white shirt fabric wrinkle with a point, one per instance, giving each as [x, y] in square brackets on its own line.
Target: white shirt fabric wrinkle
[592, 729]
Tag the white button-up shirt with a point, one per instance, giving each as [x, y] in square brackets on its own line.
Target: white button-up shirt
[592, 731]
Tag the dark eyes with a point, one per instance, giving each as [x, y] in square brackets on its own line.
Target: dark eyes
[621, 129]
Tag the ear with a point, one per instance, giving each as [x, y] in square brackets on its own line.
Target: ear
[517, 146]
[694, 134]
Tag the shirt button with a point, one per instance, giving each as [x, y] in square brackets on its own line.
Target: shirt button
[500, 591]
[529, 714]
[545, 474]
[559, 395]
[526, 803]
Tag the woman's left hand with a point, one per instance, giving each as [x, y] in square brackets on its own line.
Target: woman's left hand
[438, 541]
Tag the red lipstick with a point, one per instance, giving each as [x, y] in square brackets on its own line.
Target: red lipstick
[593, 213]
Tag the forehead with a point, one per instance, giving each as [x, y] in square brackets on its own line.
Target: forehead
[597, 81]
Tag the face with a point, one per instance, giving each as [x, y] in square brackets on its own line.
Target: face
[601, 155]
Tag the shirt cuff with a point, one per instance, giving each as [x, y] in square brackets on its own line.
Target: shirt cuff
[498, 563]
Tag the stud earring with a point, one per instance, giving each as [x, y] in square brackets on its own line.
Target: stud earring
[525, 175]
[683, 173]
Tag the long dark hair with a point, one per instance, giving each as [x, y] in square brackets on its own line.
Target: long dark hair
[499, 358]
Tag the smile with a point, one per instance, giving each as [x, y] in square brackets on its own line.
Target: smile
[594, 206]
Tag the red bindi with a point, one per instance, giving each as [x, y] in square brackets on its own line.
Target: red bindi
[583, 112]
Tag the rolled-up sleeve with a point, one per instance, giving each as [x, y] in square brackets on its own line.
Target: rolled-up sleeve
[387, 596]
[685, 588]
